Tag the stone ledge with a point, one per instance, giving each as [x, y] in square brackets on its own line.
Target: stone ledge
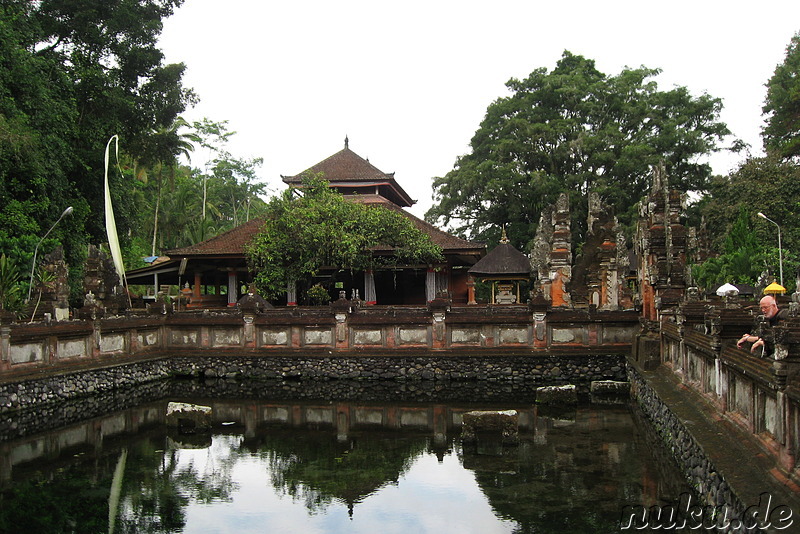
[720, 460]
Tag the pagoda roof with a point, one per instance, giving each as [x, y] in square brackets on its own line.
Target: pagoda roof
[230, 243]
[346, 169]
[503, 260]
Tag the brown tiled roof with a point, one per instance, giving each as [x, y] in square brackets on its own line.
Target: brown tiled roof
[348, 169]
[344, 166]
[230, 243]
[503, 259]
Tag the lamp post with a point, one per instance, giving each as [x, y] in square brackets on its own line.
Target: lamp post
[780, 250]
[36, 250]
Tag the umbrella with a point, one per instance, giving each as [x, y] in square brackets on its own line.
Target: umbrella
[774, 289]
[724, 289]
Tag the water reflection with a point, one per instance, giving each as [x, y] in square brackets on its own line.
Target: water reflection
[322, 466]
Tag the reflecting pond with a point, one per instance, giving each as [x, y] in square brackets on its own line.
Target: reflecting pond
[282, 464]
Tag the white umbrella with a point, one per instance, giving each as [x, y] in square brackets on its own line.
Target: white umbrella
[724, 289]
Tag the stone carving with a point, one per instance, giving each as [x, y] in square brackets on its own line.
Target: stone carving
[51, 294]
[101, 279]
[661, 246]
[561, 254]
[542, 245]
[599, 277]
[252, 302]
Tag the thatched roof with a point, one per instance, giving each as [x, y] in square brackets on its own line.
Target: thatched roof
[503, 260]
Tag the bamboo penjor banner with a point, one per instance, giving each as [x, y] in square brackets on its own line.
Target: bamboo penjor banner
[111, 225]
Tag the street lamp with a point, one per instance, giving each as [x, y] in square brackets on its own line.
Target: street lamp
[780, 250]
[36, 250]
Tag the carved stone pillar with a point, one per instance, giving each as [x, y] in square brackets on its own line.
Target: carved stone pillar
[341, 311]
[540, 330]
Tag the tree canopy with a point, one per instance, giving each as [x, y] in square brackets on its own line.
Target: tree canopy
[316, 227]
[748, 243]
[573, 130]
[179, 205]
[741, 261]
[782, 131]
[76, 72]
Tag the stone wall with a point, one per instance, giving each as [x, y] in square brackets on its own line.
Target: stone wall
[27, 348]
[699, 470]
[758, 394]
[452, 369]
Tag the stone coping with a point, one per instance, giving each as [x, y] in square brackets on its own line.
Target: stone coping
[738, 456]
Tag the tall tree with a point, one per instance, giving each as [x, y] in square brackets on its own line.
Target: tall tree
[782, 106]
[742, 258]
[212, 138]
[575, 129]
[160, 152]
[236, 185]
[76, 72]
[770, 185]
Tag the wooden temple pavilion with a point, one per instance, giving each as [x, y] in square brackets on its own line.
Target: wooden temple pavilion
[505, 268]
[216, 268]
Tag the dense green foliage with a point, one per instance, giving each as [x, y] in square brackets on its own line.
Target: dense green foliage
[575, 129]
[749, 244]
[317, 227]
[782, 131]
[74, 73]
[742, 260]
[180, 205]
[10, 293]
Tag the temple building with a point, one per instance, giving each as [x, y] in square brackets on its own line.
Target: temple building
[216, 268]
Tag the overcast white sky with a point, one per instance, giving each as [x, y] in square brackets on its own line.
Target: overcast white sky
[409, 82]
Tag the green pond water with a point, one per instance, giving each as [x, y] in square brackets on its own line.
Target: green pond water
[328, 466]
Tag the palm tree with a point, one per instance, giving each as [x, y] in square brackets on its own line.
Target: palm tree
[160, 152]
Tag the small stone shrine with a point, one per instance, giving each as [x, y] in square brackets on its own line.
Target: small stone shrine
[51, 295]
[506, 268]
[101, 279]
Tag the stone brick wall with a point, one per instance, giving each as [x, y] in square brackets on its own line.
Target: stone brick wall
[699, 470]
[61, 344]
[449, 370]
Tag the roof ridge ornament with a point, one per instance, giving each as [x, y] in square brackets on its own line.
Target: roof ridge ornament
[504, 237]
[346, 142]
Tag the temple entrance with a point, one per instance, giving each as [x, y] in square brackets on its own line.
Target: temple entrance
[405, 286]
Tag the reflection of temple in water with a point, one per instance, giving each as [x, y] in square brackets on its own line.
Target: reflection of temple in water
[325, 452]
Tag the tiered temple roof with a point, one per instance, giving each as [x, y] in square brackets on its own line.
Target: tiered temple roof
[350, 174]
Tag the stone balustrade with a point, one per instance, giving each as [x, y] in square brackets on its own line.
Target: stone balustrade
[315, 329]
[759, 394]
